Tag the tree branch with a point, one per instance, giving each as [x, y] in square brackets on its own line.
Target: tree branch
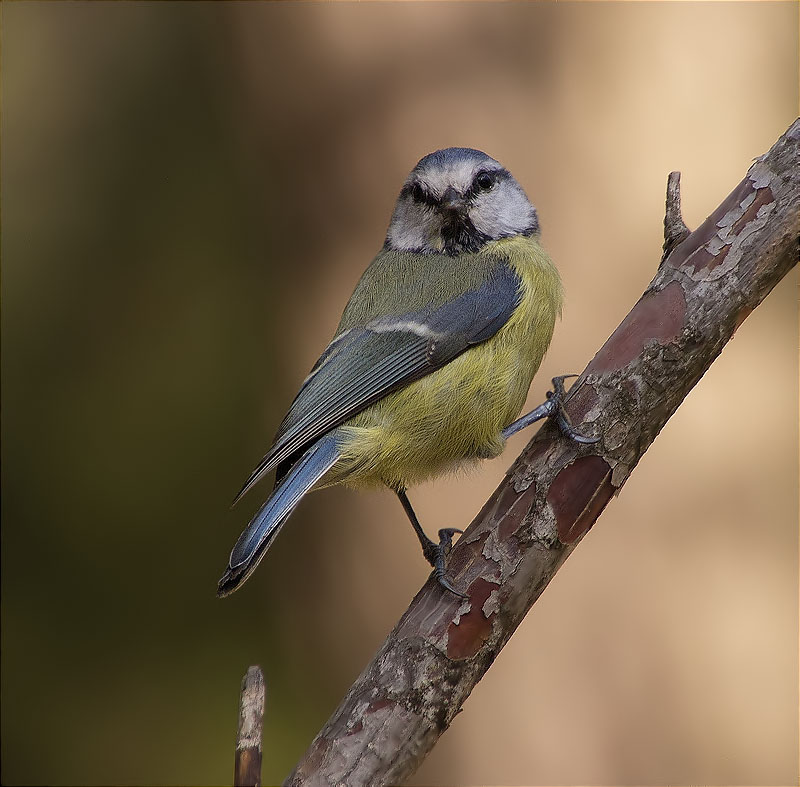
[675, 231]
[247, 763]
[707, 284]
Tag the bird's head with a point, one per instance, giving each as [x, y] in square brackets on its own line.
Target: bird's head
[456, 200]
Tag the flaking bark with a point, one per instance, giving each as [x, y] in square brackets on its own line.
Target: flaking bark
[247, 762]
[707, 284]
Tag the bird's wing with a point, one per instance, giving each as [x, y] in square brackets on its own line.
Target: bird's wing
[364, 364]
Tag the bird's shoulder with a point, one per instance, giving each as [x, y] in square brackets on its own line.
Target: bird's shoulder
[397, 283]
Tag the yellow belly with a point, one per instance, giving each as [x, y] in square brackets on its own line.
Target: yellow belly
[457, 413]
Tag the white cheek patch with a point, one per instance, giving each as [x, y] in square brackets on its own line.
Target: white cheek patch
[415, 227]
[503, 211]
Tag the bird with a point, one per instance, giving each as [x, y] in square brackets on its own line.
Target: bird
[432, 359]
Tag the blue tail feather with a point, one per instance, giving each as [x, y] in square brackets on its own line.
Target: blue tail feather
[260, 533]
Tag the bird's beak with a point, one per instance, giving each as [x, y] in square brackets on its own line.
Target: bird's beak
[451, 201]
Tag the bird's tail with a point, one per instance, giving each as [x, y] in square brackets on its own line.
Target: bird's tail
[266, 524]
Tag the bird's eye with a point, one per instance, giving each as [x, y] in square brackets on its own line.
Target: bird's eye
[417, 193]
[484, 181]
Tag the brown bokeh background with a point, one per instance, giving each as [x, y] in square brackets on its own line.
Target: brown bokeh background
[189, 193]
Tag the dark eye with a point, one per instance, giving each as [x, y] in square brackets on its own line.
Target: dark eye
[484, 181]
[417, 193]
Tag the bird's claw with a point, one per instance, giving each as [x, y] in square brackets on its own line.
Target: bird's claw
[557, 396]
[436, 554]
[446, 537]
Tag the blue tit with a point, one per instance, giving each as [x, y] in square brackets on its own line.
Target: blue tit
[433, 356]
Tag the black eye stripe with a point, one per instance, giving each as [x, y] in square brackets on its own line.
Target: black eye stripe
[418, 193]
[485, 180]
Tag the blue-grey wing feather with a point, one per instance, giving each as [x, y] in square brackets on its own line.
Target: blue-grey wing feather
[366, 363]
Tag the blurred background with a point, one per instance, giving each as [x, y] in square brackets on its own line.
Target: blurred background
[189, 193]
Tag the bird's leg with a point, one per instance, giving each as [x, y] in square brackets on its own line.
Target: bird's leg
[552, 408]
[434, 553]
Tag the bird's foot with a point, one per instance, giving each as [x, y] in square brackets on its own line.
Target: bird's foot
[557, 396]
[436, 554]
[552, 408]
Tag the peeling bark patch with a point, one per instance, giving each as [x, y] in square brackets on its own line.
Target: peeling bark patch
[708, 229]
[534, 451]
[703, 259]
[356, 728]
[492, 604]
[732, 228]
[577, 495]
[708, 246]
[465, 638]
[595, 506]
[516, 513]
[521, 479]
[465, 553]
[377, 705]
[763, 196]
[373, 707]
[583, 401]
[658, 315]
[433, 611]
[505, 501]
